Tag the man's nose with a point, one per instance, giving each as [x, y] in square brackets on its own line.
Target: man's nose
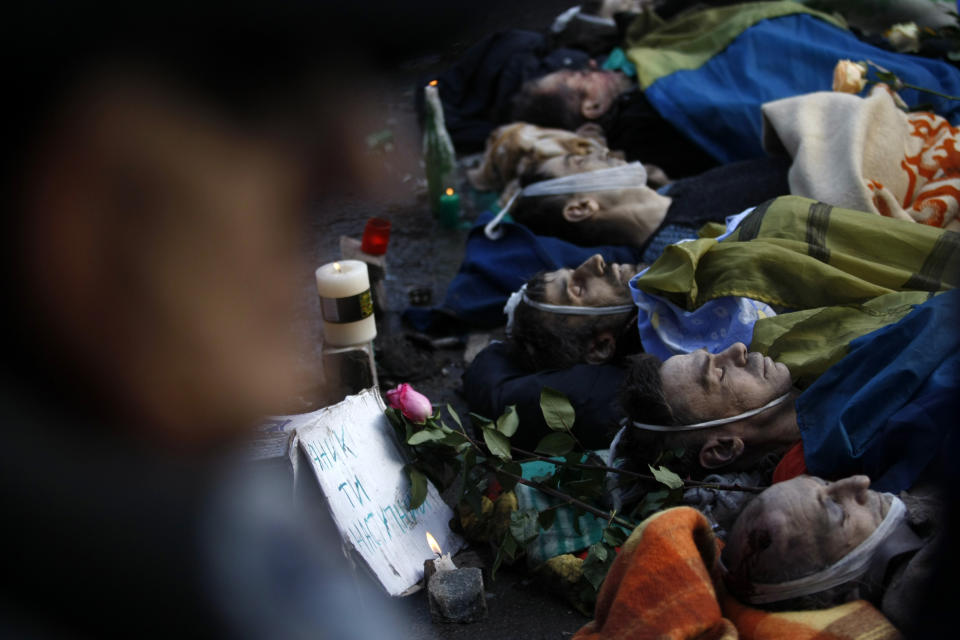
[594, 265]
[855, 487]
[735, 354]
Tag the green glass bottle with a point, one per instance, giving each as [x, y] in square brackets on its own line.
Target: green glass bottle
[438, 153]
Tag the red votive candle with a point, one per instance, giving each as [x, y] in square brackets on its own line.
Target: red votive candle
[376, 236]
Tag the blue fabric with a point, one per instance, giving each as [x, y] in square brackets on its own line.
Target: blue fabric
[667, 330]
[718, 105]
[667, 234]
[493, 269]
[890, 407]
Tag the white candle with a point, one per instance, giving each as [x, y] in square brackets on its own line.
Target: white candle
[345, 303]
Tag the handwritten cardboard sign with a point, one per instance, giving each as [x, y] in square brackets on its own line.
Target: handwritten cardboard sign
[355, 457]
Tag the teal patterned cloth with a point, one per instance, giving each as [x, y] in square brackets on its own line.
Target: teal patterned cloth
[562, 537]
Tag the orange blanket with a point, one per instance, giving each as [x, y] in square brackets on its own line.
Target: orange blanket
[662, 585]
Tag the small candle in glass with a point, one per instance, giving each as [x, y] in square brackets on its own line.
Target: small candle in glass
[450, 208]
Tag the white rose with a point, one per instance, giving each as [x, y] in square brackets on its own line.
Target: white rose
[849, 76]
[904, 37]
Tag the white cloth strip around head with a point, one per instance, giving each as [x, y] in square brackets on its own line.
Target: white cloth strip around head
[628, 176]
[709, 423]
[849, 567]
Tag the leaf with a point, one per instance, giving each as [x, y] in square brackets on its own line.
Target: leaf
[651, 503]
[614, 536]
[586, 488]
[597, 564]
[508, 550]
[524, 525]
[547, 518]
[394, 416]
[425, 435]
[479, 419]
[577, 515]
[508, 482]
[555, 444]
[666, 477]
[418, 486]
[454, 439]
[453, 414]
[473, 499]
[557, 411]
[507, 423]
[497, 443]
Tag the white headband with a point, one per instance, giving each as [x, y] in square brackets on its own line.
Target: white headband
[849, 567]
[521, 296]
[628, 176]
[709, 423]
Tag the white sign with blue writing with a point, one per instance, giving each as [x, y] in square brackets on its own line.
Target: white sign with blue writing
[354, 454]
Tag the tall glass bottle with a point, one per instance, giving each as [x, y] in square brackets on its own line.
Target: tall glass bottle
[438, 153]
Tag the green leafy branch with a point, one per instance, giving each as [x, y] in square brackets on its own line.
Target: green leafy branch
[450, 455]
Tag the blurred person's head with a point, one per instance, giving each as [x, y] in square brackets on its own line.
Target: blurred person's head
[700, 386]
[566, 98]
[159, 248]
[154, 188]
[550, 340]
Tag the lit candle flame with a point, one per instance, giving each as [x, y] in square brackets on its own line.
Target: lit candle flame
[449, 191]
[336, 267]
[432, 83]
[433, 544]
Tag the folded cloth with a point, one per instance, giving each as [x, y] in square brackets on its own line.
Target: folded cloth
[665, 584]
[841, 273]
[867, 154]
[693, 70]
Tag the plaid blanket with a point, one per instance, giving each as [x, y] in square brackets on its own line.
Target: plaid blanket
[663, 585]
[566, 535]
[840, 273]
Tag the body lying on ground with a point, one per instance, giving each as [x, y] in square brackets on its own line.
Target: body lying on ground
[810, 544]
[685, 68]
[520, 148]
[887, 408]
[666, 582]
[646, 219]
[878, 271]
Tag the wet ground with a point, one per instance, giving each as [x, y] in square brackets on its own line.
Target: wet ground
[422, 255]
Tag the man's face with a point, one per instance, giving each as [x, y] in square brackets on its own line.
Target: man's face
[592, 91]
[710, 386]
[571, 163]
[812, 523]
[593, 284]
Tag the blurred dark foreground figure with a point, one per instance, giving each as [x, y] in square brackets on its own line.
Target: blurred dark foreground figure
[153, 183]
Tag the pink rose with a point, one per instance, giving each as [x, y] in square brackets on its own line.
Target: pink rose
[414, 405]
